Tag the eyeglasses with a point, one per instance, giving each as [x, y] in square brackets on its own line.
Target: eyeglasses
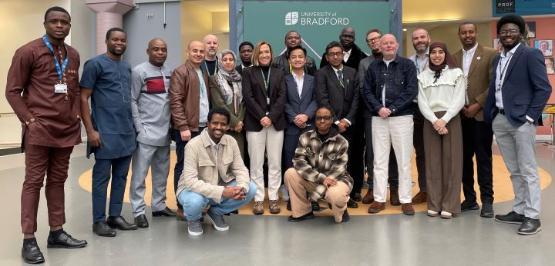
[324, 118]
[372, 40]
[336, 54]
[509, 32]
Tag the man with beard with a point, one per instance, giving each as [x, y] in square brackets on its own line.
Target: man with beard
[150, 82]
[210, 64]
[373, 37]
[293, 39]
[475, 61]
[352, 54]
[42, 88]
[245, 54]
[515, 102]
[421, 42]
[110, 131]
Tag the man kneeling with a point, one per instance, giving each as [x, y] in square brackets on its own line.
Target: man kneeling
[319, 168]
[214, 176]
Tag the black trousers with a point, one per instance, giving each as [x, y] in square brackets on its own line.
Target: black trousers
[477, 140]
[355, 166]
[418, 143]
[393, 175]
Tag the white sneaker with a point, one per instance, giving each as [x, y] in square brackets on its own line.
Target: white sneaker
[432, 213]
[446, 215]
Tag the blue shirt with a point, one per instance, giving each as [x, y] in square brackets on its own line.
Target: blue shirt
[110, 105]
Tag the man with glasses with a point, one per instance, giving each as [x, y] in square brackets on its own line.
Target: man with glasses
[352, 54]
[293, 39]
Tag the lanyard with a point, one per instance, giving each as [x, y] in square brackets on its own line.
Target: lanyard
[266, 79]
[59, 69]
[503, 70]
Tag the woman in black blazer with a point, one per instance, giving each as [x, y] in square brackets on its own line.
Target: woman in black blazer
[264, 94]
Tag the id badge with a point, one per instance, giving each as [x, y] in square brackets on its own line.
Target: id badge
[60, 88]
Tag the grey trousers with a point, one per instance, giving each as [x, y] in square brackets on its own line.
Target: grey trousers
[158, 159]
[517, 146]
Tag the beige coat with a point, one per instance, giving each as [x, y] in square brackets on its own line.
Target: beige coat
[207, 175]
[479, 75]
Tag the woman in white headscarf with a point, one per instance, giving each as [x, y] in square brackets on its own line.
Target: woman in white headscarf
[226, 92]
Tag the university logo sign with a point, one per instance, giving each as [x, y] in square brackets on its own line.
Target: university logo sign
[505, 6]
[291, 18]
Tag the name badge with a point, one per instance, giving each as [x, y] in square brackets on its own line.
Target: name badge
[60, 88]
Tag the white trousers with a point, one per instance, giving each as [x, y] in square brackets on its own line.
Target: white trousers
[269, 141]
[397, 132]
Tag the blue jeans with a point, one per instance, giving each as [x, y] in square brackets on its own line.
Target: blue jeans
[180, 154]
[100, 177]
[193, 203]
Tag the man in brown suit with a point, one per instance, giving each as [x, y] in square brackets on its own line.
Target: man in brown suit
[475, 61]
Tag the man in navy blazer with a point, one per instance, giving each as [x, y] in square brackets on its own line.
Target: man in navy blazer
[517, 95]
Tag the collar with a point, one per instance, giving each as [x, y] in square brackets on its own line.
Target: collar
[297, 77]
[511, 52]
[471, 50]
[332, 134]
[208, 142]
[337, 69]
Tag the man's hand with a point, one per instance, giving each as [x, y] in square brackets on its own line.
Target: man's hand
[266, 121]
[239, 126]
[384, 112]
[93, 138]
[185, 135]
[329, 182]
[234, 192]
[300, 120]
[471, 110]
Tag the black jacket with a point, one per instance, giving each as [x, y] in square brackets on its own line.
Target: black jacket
[343, 101]
[354, 58]
[282, 63]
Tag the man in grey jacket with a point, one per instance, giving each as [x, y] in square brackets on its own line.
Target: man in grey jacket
[151, 115]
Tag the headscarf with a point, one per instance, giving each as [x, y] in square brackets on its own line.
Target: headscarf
[231, 93]
[448, 61]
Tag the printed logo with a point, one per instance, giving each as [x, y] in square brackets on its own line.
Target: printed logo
[291, 18]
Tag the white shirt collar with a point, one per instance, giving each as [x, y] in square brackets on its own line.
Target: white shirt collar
[511, 52]
[471, 50]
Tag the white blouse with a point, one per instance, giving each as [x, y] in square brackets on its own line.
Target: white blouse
[446, 94]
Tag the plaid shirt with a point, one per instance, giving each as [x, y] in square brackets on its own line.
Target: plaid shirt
[315, 161]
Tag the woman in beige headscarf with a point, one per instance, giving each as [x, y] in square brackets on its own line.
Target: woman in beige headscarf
[226, 92]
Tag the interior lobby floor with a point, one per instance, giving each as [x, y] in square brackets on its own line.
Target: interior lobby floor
[389, 239]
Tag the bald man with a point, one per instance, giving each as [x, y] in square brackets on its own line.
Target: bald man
[150, 106]
[210, 64]
[189, 105]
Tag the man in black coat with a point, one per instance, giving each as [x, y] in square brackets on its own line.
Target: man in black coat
[351, 53]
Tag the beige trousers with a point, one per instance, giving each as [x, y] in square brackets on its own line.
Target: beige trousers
[337, 195]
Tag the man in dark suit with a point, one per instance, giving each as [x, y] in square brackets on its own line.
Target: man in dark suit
[515, 102]
[352, 54]
[245, 54]
[475, 61]
[337, 87]
[293, 39]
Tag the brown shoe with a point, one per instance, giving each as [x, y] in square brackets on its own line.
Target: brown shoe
[274, 207]
[369, 197]
[420, 197]
[179, 215]
[258, 208]
[407, 209]
[394, 197]
[376, 207]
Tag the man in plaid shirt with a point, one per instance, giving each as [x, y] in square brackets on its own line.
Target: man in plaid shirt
[319, 168]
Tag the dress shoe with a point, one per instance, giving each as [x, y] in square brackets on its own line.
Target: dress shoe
[345, 217]
[288, 207]
[30, 252]
[394, 197]
[469, 206]
[407, 209]
[141, 221]
[530, 226]
[420, 197]
[487, 211]
[510, 218]
[369, 197]
[376, 207]
[61, 239]
[120, 223]
[352, 204]
[356, 197]
[258, 208]
[103, 229]
[179, 215]
[315, 206]
[274, 207]
[307, 216]
[167, 212]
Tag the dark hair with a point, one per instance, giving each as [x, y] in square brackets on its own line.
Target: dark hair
[246, 43]
[327, 107]
[295, 48]
[109, 32]
[333, 45]
[220, 111]
[56, 8]
[468, 23]
[373, 30]
[512, 18]
[289, 32]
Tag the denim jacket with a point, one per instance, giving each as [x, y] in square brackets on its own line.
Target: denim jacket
[400, 82]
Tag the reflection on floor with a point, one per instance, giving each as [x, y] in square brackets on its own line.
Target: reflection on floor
[271, 240]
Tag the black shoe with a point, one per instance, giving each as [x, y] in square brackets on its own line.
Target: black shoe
[510, 218]
[356, 197]
[346, 217]
[469, 206]
[530, 226]
[64, 240]
[307, 216]
[102, 229]
[288, 205]
[120, 223]
[487, 211]
[30, 252]
[165, 212]
[352, 204]
[141, 221]
[315, 206]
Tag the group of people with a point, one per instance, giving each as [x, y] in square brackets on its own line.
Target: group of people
[319, 128]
